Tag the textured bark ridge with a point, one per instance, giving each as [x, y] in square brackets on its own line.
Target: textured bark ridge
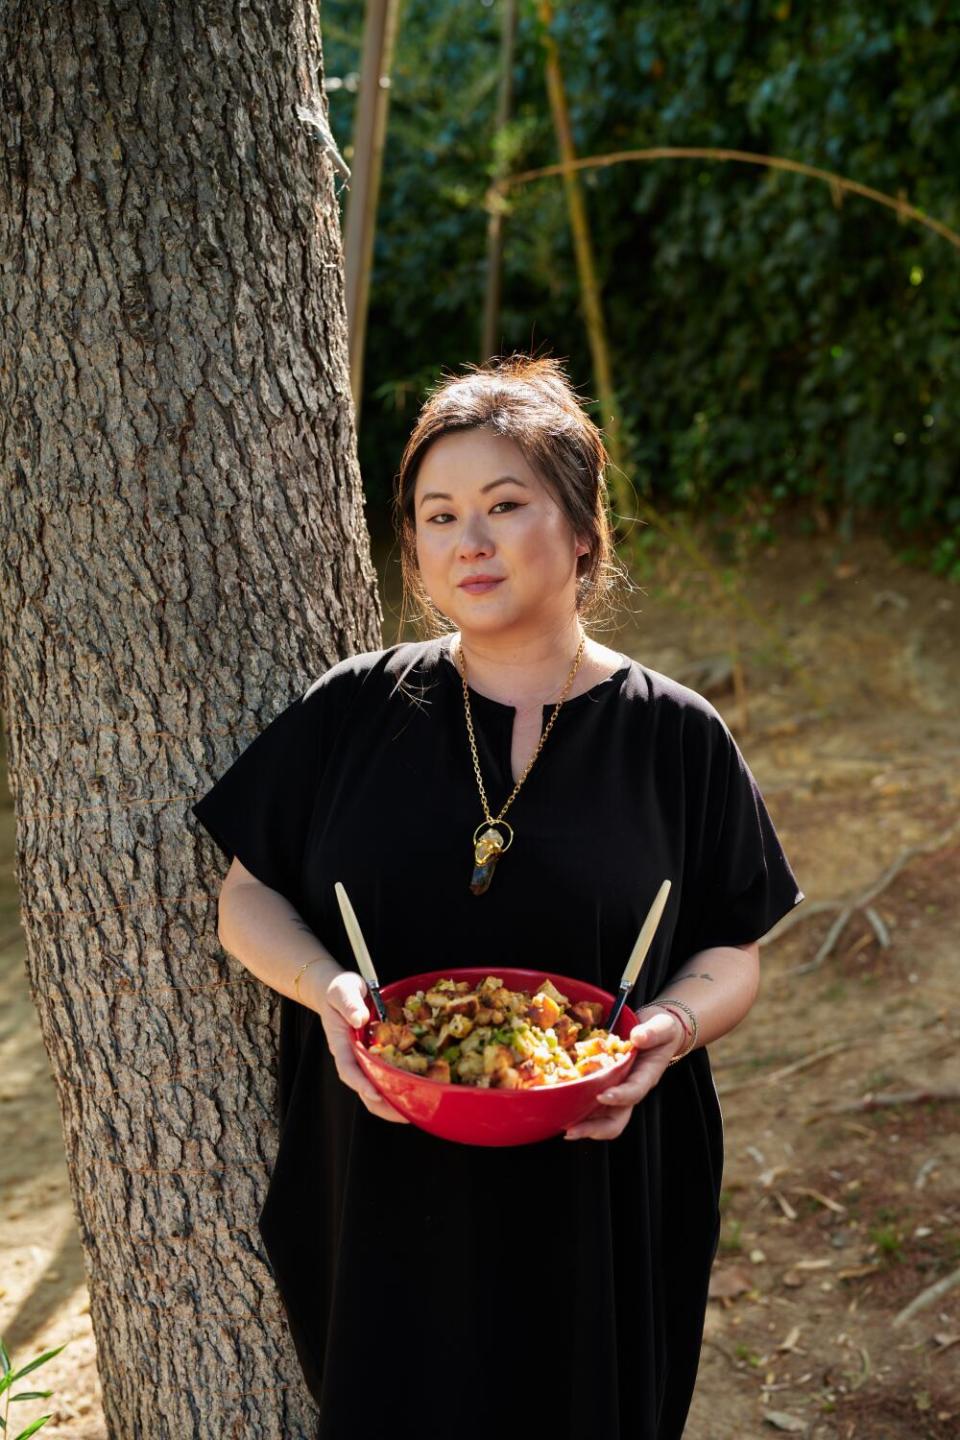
[185, 550]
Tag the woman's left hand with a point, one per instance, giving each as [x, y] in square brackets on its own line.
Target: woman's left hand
[658, 1039]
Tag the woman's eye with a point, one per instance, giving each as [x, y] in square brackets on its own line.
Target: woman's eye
[445, 515]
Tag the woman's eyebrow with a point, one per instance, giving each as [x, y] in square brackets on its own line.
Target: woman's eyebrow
[491, 484]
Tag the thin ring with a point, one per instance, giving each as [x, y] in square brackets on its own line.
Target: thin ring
[492, 824]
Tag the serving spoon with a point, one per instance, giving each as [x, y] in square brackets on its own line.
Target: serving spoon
[639, 953]
[359, 948]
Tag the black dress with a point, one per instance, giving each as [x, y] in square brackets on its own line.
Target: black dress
[557, 1288]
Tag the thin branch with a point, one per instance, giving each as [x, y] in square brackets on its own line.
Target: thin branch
[863, 901]
[927, 1297]
[801, 1064]
[891, 1097]
[837, 183]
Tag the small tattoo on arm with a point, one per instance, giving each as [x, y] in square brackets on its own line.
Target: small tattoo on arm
[693, 975]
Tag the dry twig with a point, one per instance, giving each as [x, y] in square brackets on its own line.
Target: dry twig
[889, 1097]
[927, 1297]
[802, 1064]
[861, 903]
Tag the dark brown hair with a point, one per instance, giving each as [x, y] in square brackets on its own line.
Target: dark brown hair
[532, 402]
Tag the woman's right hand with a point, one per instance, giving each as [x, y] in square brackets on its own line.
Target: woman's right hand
[342, 1007]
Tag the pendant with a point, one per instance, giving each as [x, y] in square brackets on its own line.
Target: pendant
[487, 849]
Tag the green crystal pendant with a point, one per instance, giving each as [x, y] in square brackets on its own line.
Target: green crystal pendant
[487, 849]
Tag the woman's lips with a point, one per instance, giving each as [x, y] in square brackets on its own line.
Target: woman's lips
[480, 587]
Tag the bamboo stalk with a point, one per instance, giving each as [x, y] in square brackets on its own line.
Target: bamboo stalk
[373, 98]
[621, 490]
[495, 214]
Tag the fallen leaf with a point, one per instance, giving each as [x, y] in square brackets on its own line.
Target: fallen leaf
[728, 1283]
[784, 1421]
[791, 1341]
[785, 1205]
[822, 1199]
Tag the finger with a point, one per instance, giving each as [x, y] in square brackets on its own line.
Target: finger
[352, 1075]
[646, 1071]
[631, 1091]
[346, 1000]
[606, 1126]
[385, 1111]
[655, 1031]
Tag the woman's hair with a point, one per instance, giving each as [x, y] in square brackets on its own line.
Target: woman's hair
[530, 401]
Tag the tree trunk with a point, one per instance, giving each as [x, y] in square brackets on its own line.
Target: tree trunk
[183, 517]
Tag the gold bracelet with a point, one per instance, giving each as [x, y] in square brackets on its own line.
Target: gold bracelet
[296, 978]
[680, 1005]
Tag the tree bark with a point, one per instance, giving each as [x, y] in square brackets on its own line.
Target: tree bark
[186, 550]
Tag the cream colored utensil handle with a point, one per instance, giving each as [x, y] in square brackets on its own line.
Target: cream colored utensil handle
[359, 948]
[639, 952]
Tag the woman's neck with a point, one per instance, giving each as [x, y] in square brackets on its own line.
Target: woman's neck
[522, 672]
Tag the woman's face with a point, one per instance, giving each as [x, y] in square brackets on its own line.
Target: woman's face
[471, 520]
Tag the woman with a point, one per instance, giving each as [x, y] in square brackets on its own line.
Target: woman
[557, 1288]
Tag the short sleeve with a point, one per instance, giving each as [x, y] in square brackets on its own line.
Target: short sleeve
[746, 884]
[260, 808]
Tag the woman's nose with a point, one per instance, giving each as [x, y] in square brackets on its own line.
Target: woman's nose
[475, 540]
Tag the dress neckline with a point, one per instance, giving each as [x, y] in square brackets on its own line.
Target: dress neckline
[448, 664]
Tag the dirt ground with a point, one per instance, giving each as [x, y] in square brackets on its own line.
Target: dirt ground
[838, 1209]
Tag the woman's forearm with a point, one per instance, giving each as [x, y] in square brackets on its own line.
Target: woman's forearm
[719, 985]
[267, 934]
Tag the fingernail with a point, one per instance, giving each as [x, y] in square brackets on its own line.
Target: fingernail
[608, 1096]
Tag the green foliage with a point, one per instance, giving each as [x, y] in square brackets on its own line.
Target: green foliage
[774, 344]
[888, 1241]
[9, 1377]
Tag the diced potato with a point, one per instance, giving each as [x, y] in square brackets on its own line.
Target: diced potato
[417, 1064]
[566, 1031]
[548, 988]
[530, 1074]
[386, 1032]
[457, 1027]
[588, 1012]
[469, 1066]
[439, 1070]
[543, 1010]
[496, 1057]
[506, 1079]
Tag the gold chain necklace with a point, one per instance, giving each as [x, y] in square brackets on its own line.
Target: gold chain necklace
[489, 845]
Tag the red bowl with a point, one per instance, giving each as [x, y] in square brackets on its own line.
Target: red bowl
[476, 1116]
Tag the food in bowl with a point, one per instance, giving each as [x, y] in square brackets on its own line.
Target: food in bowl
[491, 1037]
[472, 1114]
